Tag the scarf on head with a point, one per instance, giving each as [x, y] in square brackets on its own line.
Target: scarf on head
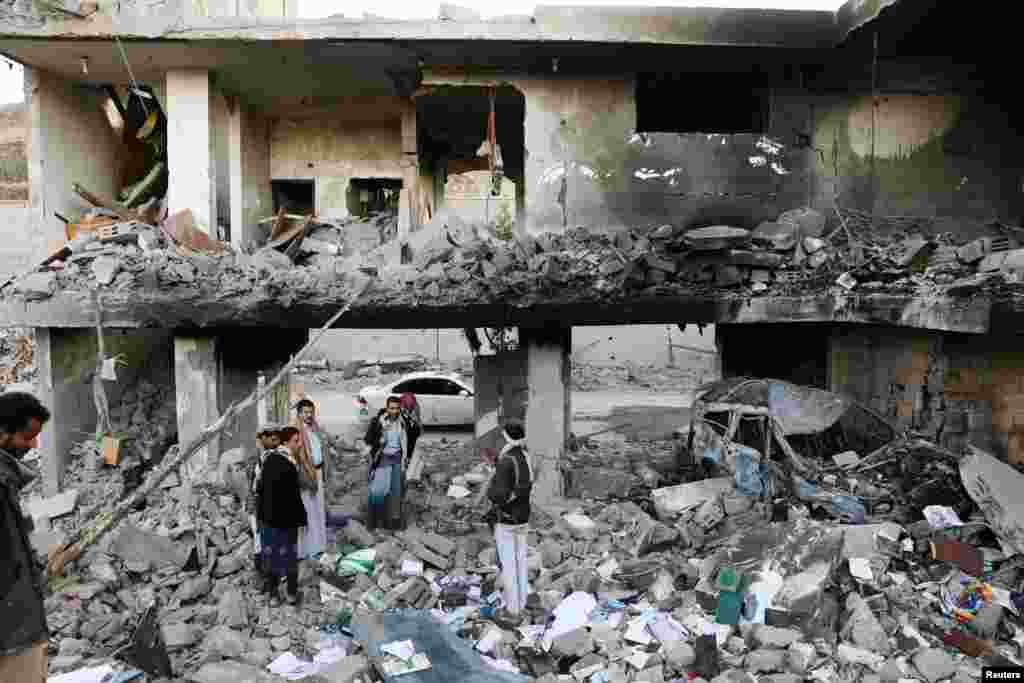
[510, 444]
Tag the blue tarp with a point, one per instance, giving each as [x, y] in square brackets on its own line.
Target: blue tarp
[751, 473]
[452, 659]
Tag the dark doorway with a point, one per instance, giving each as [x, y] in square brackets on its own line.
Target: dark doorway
[370, 196]
[294, 196]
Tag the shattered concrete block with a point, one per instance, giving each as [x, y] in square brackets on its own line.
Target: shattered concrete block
[717, 237]
[193, 589]
[863, 628]
[809, 222]
[680, 654]
[438, 544]
[600, 483]
[425, 554]
[551, 553]
[37, 286]
[654, 674]
[765, 661]
[800, 657]
[773, 637]
[178, 636]
[972, 252]
[225, 642]
[779, 236]
[105, 268]
[848, 654]
[672, 500]
[232, 609]
[231, 672]
[580, 525]
[577, 642]
[934, 664]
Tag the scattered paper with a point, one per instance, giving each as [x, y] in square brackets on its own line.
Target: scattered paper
[667, 630]
[412, 568]
[324, 659]
[941, 517]
[93, 675]
[403, 649]
[490, 639]
[638, 660]
[860, 568]
[291, 668]
[397, 667]
[846, 459]
[1001, 596]
[329, 593]
[458, 491]
[608, 568]
[637, 631]
[573, 612]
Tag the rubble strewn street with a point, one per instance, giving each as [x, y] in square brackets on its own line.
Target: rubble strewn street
[671, 560]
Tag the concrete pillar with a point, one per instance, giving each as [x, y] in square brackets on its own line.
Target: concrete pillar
[548, 407]
[249, 166]
[190, 151]
[409, 199]
[197, 393]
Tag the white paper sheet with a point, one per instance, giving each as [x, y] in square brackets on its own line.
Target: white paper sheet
[92, 675]
[403, 649]
[860, 568]
[291, 668]
[941, 517]
[573, 612]
[412, 568]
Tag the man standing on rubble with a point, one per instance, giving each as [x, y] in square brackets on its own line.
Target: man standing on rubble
[388, 439]
[313, 539]
[509, 492]
[268, 439]
[24, 635]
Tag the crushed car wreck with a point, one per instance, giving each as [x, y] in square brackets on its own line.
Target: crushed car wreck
[779, 441]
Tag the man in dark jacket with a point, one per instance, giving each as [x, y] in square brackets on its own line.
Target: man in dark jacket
[280, 514]
[24, 635]
[509, 492]
[388, 438]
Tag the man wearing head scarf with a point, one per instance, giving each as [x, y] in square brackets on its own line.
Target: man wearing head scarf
[388, 438]
[313, 457]
[509, 492]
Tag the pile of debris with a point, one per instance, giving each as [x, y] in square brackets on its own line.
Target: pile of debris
[448, 260]
[17, 357]
[721, 578]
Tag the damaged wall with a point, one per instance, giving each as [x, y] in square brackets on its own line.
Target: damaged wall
[67, 363]
[70, 142]
[942, 155]
[957, 388]
[356, 138]
[253, 183]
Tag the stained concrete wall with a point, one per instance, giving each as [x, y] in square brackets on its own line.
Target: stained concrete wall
[219, 134]
[359, 138]
[952, 156]
[19, 243]
[70, 141]
[257, 199]
[957, 388]
[66, 359]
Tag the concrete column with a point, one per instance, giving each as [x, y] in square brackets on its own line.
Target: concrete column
[409, 200]
[190, 153]
[548, 407]
[197, 393]
[235, 171]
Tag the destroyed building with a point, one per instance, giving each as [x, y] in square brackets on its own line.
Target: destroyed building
[204, 175]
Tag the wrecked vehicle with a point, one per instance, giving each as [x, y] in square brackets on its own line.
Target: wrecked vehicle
[779, 440]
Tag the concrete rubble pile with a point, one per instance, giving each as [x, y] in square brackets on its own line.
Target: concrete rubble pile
[698, 581]
[802, 251]
[17, 357]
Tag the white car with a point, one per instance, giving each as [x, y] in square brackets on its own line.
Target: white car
[444, 399]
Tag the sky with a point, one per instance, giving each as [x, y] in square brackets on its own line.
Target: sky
[11, 79]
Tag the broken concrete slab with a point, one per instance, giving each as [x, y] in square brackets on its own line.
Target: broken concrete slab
[934, 664]
[231, 672]
[995, 488]
[146, 549]
[808, 222]
[717, 237]
[178, 635]
[105, 268]
[37, 286]
[232, 609]
[672, 500]
[225, 642]
[347, 670]
[779, 236]
[53, 507]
